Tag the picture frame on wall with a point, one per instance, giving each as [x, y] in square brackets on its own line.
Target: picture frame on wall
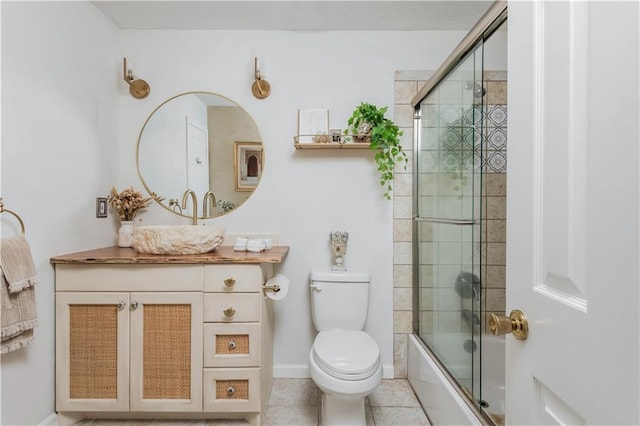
[247, 165]
[312, 122]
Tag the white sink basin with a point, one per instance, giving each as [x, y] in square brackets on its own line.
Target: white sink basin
[176, 239]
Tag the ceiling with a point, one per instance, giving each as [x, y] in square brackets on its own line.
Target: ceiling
[302, 15]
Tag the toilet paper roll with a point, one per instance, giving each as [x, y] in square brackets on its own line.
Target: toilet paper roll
[281, 281]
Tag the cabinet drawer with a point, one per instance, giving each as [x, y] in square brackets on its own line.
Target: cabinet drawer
[121, 277]
[231, 389]
[219, 307]
[233, 278]
[232, 345]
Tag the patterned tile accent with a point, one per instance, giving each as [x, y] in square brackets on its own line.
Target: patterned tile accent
[496, 161]
[472, 116]
[451, 138]
[496, 138]
[450, 115]
[431, 115]
[496, 115]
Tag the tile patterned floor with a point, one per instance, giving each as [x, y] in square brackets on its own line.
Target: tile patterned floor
[295, 402]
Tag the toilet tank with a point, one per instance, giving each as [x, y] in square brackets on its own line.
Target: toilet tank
[339, 299]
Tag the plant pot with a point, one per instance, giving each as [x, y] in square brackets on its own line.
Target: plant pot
[362, 138]
[125, 233]
[363, 134]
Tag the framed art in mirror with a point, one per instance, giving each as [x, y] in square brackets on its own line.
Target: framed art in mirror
[247, 165]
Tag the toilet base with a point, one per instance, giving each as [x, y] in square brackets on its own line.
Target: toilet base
[342, 411]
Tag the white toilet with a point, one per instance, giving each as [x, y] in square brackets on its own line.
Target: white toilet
[344, 361]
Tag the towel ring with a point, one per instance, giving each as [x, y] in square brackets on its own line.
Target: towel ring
[3, 210]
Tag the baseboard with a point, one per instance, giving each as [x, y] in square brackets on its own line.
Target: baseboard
[291, 371]
[388, 371]
[50, 420]
[301, 371]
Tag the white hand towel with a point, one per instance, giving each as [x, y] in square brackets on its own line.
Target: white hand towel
[240, 244]
[256, 245]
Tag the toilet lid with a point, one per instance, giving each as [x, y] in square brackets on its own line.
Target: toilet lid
[346, 354]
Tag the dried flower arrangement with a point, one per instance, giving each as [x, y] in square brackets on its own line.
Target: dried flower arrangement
[127, 203]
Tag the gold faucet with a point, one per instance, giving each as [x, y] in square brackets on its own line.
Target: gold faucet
[195, 204]
[208, 206]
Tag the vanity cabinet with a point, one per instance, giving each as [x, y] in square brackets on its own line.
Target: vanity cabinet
[163, 335]
[127, 351]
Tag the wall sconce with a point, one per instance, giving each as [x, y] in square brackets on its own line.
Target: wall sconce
[138, 88]
[260, 87]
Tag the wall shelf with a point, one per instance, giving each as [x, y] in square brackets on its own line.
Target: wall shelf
[329, 145]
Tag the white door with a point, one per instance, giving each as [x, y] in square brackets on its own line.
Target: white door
[573, 216]
[197, 161]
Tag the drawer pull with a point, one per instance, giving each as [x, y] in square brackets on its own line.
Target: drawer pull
[121, 305]
[229, 312]
[232, 344]
[230, 282]
[134, 305]
[231, 390]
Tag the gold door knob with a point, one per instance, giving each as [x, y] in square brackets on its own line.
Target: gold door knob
[229, 312]
[515, 323]
[230, 282]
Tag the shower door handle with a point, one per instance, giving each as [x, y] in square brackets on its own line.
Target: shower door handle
[444, 221]
[516, 323]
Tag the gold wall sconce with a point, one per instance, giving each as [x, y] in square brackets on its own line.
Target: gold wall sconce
[260, 87]
[138, 88]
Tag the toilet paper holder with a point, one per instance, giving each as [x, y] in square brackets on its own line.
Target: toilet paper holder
[275, 288]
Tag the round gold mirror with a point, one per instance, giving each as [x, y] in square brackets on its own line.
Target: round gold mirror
[203, 142]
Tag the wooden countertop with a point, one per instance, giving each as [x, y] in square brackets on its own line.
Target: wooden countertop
[223, 254]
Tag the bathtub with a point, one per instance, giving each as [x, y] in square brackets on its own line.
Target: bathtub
[444, 402]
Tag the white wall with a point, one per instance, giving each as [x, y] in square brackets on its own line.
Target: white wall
[60, 81]
[303, 195]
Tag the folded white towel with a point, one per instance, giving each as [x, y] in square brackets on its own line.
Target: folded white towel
[240, 244]
[256, 245]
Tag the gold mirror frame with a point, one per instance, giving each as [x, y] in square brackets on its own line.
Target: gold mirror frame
[223, 183]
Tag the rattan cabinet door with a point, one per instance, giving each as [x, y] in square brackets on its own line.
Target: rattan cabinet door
[166, 352]
[92, 351]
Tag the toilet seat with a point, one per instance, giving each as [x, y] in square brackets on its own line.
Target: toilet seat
[346, 354]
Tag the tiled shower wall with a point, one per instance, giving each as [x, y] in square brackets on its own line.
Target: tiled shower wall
[494, 155]
[494, 212]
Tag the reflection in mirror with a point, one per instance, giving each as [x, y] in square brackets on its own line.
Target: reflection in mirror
[204, 142]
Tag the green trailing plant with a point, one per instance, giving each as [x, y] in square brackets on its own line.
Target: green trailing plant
[368, 123]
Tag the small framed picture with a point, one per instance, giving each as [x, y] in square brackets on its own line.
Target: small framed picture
[312, 122]
[247, 165]
[101, 207]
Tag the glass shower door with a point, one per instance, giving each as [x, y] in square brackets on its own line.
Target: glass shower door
[447, 221]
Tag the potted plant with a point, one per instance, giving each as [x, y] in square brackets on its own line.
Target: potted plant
[368, 124]
[126, 204]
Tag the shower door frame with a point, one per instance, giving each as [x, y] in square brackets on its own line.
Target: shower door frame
[495, 16]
